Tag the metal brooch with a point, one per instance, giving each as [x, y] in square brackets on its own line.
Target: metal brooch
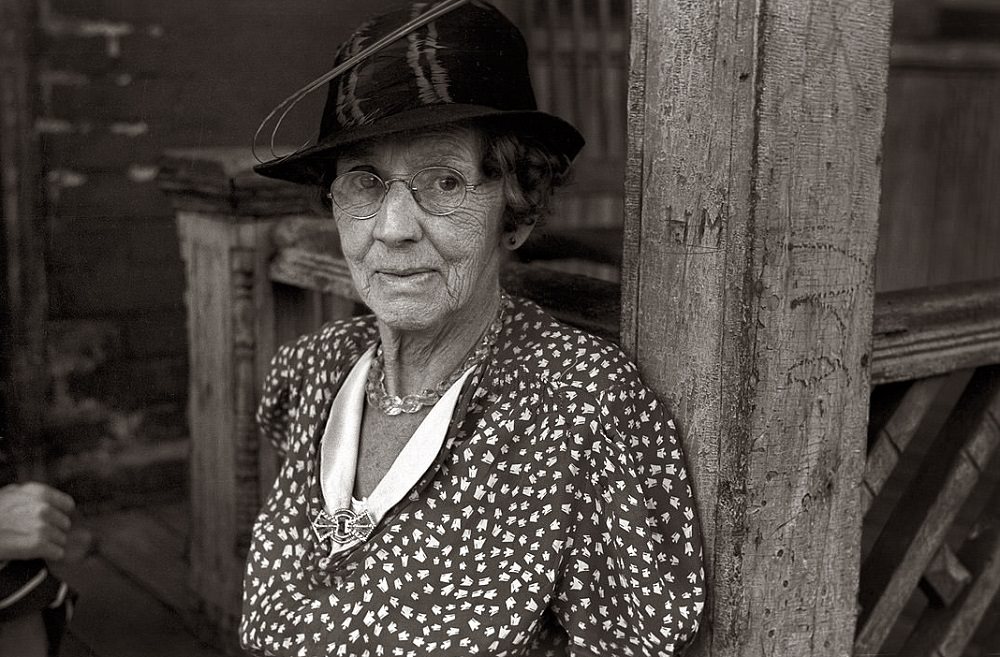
[342, 526]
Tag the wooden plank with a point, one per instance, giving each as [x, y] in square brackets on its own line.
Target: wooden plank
[965, 226]
[959, 456]
[987, 637]
[116, 618]
[222, 181]
[751, 216]
[222, 254]
[152, 556]
[610, 113]
[553, 61]
[175, 517]
[913, 142]
[577, 26]
[24, 298]
[602, 245]
[938, 222]
[947, 632]
[894, 437]
[948, 55]
[945, 578]
[311, 270]
[921, 333]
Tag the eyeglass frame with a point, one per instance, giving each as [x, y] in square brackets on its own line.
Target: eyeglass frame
[387, 184]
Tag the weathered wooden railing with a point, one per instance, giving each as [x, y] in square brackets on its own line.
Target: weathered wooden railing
[262, 270]
[931, 552]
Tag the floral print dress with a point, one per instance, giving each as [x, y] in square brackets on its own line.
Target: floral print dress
[557, 518]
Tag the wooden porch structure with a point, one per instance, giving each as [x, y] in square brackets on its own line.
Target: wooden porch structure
[747, 292]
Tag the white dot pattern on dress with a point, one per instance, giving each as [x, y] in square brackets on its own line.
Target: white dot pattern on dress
[557, 520]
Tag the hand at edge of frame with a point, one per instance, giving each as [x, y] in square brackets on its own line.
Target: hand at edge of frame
[34, 522]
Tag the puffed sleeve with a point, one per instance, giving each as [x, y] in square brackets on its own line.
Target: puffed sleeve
[633, 583]
[278, 399]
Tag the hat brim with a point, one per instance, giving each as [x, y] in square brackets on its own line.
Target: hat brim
[310, 165]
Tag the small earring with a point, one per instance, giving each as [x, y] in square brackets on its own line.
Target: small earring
[513, 240]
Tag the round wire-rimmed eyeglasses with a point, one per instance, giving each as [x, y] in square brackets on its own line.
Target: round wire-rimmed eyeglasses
[439, 190]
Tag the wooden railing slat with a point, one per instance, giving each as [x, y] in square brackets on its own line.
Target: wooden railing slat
[303, 268]
[887, 586]
[946, 632]
[945, 578]
[930, 331]
[961, 55]
[893, 439]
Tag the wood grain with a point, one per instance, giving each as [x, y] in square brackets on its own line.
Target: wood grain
[894, 437]
[151, 555]
[947, 631]
[113, 611]
[945, 578]
[934, 330]
[910, 539]
[938, 222]
[24, 303]
[751, 214]
[225, 221]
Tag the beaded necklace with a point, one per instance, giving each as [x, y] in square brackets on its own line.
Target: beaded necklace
[380, 398]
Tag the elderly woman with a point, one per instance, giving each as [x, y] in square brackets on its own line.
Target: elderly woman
[462, 473]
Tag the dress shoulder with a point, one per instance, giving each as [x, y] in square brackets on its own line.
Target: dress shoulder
[306, 367]
[565, 356]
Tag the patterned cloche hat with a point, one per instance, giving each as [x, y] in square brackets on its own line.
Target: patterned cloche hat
[470, 62]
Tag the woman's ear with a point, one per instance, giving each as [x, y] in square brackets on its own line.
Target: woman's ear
[515, 237]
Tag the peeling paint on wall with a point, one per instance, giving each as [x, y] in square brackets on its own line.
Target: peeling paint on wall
[48, 79]
[47, 125]
[142, 173]
[66, 178]
[55, 24]
[54, 77]
[129, 129]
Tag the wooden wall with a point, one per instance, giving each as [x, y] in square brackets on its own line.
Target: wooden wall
[940, 217]
[112, 84]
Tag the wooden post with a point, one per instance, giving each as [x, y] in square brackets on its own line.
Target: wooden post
[23, 290]
[751, 210]
[225, 214]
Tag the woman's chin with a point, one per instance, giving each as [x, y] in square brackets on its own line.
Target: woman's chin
[407, 310]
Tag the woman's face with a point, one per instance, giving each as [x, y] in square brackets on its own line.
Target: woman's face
[417, 270]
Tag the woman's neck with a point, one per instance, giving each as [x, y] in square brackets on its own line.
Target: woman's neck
[416, 360]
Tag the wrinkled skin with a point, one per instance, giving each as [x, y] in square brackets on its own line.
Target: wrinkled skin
[432, 281]
[34, 522]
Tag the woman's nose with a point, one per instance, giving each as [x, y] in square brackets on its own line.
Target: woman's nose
[398, 220]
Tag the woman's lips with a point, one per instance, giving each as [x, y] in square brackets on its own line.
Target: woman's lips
[414, 276]
[405, 272]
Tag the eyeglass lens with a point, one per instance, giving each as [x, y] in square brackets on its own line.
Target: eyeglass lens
[438, 190]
